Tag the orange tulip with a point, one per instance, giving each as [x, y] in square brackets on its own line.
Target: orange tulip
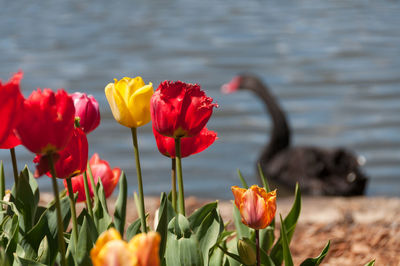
[257, 207]
[145, 248]
[110, 249]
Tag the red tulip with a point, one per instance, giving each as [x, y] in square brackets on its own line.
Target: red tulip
[189, 145]
[180, 109]
[70, 161]
[87, 109]
[102, 169]
[10, 142]
[11, 104]
[48, 121]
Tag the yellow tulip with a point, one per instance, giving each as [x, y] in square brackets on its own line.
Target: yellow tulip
[257, 207]
[110, 249]
[129, 100]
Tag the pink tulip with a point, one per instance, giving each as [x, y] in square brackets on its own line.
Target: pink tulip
[87, 109]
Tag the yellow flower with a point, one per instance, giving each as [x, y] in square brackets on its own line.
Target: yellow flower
[257, 207]
[110, 249]
[129, 100]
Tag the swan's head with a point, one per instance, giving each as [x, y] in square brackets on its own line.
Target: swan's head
[241, 82]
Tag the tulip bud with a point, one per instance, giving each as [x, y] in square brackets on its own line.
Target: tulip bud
[247, 252]
[87, 109]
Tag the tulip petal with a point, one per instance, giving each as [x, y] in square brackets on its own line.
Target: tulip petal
[145, 247]
[139, 105]
[238, 194]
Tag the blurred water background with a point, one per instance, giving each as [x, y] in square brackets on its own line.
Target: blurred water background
[334, 65]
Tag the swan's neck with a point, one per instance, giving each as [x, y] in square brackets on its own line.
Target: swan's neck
[280, 133]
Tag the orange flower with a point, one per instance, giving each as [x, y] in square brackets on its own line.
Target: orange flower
[145, 248]
[110, 249]
[257, 207]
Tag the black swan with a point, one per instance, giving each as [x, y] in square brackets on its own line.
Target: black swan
[319, 171]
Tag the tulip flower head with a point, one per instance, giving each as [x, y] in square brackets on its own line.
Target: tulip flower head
[70, 161]
[87, 109]
[189, 145]
[10, 142]
[141, 250]
[48, 121]
[180, 109]
[129, 100]
[11, 105]
[257, 207]
[100, 169]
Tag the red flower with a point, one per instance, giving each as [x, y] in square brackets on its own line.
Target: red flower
[11, 101]
[87, 109]
[48, 121]
[10, 142]
[70, 161]
[180, 109]
[189, 146]
[102, 169]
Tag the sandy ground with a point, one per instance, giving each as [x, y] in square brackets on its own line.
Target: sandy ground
[360, 229]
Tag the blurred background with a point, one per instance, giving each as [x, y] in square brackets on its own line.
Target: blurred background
[334, 66]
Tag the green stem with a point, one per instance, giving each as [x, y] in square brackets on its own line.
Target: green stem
[173, 182]
[181, 196]
[87, 194]
[139, 177]
[73, 211]
[14, 164]
[258, 247]
[94, 186]
[2, 183]
[60, 231]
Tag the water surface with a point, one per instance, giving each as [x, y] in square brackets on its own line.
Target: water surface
[334, 66]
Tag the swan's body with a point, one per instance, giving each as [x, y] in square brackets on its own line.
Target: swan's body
[319, 171]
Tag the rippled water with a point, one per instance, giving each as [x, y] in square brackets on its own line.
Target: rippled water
[334, 65]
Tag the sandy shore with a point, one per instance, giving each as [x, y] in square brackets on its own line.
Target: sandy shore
[360, 228]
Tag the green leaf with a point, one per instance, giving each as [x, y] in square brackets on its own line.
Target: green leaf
[241, 230]
[162, 223]
[104, 220]
[267, 236]
[44, 254]
[3, 258]
[52, 215]
[317, 260]
[244, 184]
[265, 258]
[10, 229]
[133, 229]
[287, 257]
[25, 201]
[263, 179]
[200, 214]
[2, 182]
[208, 233]
[91, 225]
[371, 263]
[290, 224]
[120, 205]
[182, 251]
[27, 262]
[234, 256]
[85, 244]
